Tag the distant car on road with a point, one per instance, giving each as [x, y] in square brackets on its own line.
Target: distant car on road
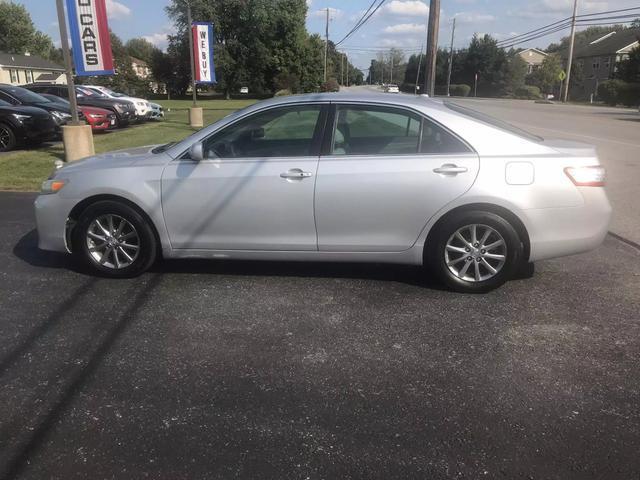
[335, 177]
[124, 110]
[21, 125]
[99, 118]
[244, 90]
[392, 89]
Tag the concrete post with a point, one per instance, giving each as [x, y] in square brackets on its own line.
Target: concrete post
[78, 142]
[196, 117]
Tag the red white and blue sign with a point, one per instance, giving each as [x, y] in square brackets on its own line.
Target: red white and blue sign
[205, 70]
[90, 37]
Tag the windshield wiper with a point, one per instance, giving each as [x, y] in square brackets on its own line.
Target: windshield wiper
[163, 148]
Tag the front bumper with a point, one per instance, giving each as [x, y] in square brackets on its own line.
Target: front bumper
[52, 212]
[557, 232]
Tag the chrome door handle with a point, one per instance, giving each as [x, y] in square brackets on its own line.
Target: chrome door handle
[450, 169]
[295, 174]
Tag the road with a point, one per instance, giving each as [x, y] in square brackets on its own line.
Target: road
[614, 131]
[220, 370]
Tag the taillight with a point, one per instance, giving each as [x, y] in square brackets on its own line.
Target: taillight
[593, 176]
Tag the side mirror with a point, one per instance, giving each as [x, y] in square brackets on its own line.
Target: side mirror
[196, 152]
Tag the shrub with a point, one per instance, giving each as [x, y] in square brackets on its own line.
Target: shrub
[629, 94]
[283, 93]
[461, 90]
[609, 91]
[528, 92]
[330, 85]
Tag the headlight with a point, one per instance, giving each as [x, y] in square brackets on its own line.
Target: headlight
[96, 116]
[140, 104]
[52, 186]
[60, 115]
[124, 106]
[20, 118]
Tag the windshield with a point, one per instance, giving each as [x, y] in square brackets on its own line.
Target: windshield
[117, 95]
[492, 121]
[163, 148]
[26, 96]
[53, 98]
[87, 92]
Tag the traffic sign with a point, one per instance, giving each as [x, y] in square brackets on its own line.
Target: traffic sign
[562, 75]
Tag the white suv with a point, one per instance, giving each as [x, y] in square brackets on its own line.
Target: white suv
[143, 107]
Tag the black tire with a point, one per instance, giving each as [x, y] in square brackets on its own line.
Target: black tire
[7, 138]
[148, 247]
[436, 260]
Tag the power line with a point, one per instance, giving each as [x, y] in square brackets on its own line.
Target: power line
[362, 21]
[607, 12]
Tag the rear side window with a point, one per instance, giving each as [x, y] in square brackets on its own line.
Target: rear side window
[373, 130]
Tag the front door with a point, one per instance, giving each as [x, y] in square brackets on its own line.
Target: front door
[389, 170]
[255, 188]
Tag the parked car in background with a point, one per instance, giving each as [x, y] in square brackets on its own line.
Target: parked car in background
[143, 108]
[21, 125]
[244, 90]
[426, 182]
[60, 112]
[392, 88]
[99, 118]
[124, 110]
[157, 111]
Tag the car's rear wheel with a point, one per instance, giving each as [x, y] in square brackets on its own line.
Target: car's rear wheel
[474, 251]
[114, 240]
[7, 138]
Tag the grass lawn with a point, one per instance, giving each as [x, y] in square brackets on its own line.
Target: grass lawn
[25, 169]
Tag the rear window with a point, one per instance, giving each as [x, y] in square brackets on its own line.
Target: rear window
[492, 121]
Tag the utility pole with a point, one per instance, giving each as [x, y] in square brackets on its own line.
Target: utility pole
[418, 70]
[347, 58]
[571, 44]
[453, 33]
[342, 69]
[391, 76]
[326, 46]
[432, 48]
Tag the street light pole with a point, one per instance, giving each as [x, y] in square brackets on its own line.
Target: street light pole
[432, 47]
[190, 35]
[571, 45]
[326, 46]
[64, 38]
[418, 71]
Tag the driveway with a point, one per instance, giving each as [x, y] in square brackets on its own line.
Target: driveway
[219, 370]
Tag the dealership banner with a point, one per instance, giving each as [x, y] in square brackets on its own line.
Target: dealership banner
[203, 52]
[90, 37]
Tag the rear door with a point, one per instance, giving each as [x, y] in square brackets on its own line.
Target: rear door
[385, 172]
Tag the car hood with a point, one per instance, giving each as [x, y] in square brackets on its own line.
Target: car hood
[115, 159]
[24, 110]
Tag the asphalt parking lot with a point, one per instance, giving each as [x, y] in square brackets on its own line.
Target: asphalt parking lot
[207, 370]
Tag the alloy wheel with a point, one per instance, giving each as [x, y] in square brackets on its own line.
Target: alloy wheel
[112, 241]
[5, 138]
[475, 253]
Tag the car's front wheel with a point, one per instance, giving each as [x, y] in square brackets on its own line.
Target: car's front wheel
[114, 240]
[474, 251]
[7, 138]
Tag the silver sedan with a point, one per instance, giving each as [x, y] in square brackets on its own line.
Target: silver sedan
[335, 177]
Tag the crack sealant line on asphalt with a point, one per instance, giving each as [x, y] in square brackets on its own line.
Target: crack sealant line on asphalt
[626, 241]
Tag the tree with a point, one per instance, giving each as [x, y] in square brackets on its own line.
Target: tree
[256, 40]
[141, 48]
[515, 73]
[18, 34]
[547, 76]
[629, 68]
[484, 58]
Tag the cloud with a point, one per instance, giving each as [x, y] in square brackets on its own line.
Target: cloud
[469, 17]
[553, 8]
[117, 10]
[406, 8]
[404, 29]
[161, 39]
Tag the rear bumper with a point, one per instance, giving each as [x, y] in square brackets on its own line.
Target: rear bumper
[557, 232]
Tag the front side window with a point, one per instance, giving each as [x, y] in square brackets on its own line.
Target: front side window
[371, 130]
[279, 132]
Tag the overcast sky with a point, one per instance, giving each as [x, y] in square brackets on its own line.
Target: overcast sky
[399, 23]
